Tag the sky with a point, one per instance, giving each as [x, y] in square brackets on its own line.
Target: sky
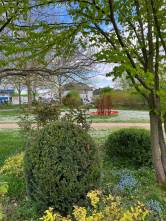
[100, 80]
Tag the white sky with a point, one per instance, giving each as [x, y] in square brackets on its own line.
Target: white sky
[100, 80]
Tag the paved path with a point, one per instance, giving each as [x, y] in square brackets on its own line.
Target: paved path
[94, 125]
[120, 125]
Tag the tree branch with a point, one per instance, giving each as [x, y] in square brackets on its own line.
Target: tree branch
[158, 25]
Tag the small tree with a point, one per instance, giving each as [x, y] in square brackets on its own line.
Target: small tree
[72, 99]
[104, 102]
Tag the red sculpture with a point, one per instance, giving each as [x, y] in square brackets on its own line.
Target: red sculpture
[104, 106]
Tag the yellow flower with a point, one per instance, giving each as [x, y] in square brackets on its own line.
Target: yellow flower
[50, 216]
[111, 210]
[94, 197]
[80, 213]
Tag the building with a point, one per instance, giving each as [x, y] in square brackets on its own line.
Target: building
[6, 95]
[85, 91]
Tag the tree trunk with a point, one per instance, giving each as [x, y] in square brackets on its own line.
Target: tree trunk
[164, 119]
[60, 95]
[34, 95]
[162, 144]
[157, 152]
[19, 95]
[29, 88]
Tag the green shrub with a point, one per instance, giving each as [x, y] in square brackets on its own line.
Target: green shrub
[3, 191]
[46, 112]
[131, 146]
[61, 166]
[127, 99]
[72, 99]
[13, 166]
[25, 210]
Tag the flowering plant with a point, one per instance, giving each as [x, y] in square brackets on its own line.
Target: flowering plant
[104, 208]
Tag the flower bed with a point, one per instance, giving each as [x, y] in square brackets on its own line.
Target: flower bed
[105, 113]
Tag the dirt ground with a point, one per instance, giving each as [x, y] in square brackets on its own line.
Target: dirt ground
[94, 125]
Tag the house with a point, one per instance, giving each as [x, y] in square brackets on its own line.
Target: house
[85, 91]
[6, 95]
[97, 92]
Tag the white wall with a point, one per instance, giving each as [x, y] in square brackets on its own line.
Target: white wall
[86, 96]
[15, 100]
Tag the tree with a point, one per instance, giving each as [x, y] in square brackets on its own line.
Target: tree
[130, 34]
[16, 82]
[72, 99]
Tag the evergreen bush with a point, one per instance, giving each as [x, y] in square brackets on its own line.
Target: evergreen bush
[61, 166]
[131, 146]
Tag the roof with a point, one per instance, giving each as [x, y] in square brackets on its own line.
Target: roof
[77, 86]
[97, 92]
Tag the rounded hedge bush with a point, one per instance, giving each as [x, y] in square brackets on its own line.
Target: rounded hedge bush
[131, 146]
[61, 166]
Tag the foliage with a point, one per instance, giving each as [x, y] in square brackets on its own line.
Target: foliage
[46, 112]
[78, 116]
[155, 206]
[125, 99]
[3, 191]
[41, 114]
[17, 207]
[61, 166]
[25, 210]
[13, 166]
[106, 91]
[131, 146]
[127, 183]
[25, 122]
[12, 173]
[72, 99]
[103, 207]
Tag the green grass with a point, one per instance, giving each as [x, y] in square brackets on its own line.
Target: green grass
[9, 112]
[11, 142]
[125, 116]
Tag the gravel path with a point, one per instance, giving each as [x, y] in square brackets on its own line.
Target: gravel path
[94, 125]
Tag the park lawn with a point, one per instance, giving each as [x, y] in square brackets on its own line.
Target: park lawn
[17, 207]
[9, 112]
[9, 115]
[11, 143]
[124, 116]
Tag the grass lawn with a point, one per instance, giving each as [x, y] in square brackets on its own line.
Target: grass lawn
[9, 112]
[140, 183]
[9, 115]
[11, 143]
[125, 116]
